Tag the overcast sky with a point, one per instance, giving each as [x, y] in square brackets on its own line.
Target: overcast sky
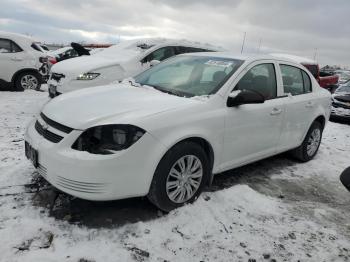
[291, 26]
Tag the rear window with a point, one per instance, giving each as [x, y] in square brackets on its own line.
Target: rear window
[37, 47]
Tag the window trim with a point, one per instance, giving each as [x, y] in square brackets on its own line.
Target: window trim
[302, 76]
[263, 63]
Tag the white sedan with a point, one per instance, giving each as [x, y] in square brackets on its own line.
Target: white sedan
[167, 132]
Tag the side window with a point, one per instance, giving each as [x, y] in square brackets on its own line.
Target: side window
[5, 46]
[262, 79]
[160, 54]
[307, 82]
[8, 46]
[295, 80]
[184, 49]
[15, 48]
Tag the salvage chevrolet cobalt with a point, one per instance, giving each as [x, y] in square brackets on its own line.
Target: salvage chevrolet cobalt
[168, 131]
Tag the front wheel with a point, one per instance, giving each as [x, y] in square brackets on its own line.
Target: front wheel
[179, 177]
[28, 80]
[311, 143]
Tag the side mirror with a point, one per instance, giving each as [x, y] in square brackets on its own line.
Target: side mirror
[237, 98]
[154, 62]
[345, 178]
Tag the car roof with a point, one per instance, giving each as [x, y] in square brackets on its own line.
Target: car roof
[15, 36]
[245, 57]
[297, 59]
[23, 41]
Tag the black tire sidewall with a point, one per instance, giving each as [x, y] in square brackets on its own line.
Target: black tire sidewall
[18, 84]
[158, 193]
[306, 157]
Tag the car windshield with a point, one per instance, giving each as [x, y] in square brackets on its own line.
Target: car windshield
[190, 76]
[345, 88]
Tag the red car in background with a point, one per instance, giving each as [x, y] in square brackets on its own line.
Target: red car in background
[328, 80]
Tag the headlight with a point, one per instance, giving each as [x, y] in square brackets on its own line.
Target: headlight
[88, 76]
[108, 139]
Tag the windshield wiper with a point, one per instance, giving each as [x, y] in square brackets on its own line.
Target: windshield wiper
[131, 81]
[172, 92]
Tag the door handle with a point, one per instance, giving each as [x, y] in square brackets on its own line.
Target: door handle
[309, 105]
[276, 111]
[16, 59]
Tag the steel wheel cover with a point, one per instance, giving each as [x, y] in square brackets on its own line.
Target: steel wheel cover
[184, 179]
[313, 142]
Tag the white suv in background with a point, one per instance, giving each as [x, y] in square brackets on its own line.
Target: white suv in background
[115, 63]
[22, 61]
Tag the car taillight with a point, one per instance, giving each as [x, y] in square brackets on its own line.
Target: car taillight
[52, 60]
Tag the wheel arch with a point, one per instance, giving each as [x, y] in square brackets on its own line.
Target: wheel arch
[321, 119]
[205, 144]
[14, 77]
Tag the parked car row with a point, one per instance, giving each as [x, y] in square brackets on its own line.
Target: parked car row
[168, 130]
[341, 103]
[115, 63]
[159, 118]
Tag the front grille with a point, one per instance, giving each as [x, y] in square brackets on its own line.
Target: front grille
[47, 134]
[343, 105]
[56, 125]
[84, 187]
[57, 77]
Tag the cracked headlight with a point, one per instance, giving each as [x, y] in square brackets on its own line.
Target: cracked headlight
[88, 76]
[108, 139]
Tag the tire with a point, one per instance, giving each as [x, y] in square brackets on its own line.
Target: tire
[309, 148]
[166, 179]
[28, 80]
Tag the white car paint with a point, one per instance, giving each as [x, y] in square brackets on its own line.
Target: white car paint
[13, 62]
[237, 135]
[113, 64]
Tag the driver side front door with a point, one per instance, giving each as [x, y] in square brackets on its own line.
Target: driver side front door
[252, 131]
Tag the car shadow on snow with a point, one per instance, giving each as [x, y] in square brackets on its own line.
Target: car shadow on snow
[116, 213]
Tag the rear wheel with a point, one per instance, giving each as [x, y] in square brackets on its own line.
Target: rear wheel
[27, 80]
[311, 143]
[179, 177]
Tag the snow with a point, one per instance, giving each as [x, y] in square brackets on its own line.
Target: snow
[276, 208]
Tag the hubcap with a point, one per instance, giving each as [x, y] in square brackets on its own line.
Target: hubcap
[29, 82]
[184, 179]
[313, 142]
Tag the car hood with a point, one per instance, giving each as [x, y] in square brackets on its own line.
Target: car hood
[113, 104]
[84, 64]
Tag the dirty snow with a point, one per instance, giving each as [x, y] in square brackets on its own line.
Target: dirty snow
[273, 210]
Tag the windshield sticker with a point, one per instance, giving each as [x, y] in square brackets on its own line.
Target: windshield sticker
[219, 63]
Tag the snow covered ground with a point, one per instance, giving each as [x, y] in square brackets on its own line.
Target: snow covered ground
[273, 210]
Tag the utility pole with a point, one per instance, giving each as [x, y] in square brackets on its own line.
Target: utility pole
[259, 45]
[245, 33]
[315, 54]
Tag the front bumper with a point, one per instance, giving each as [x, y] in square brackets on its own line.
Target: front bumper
[96, 177]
